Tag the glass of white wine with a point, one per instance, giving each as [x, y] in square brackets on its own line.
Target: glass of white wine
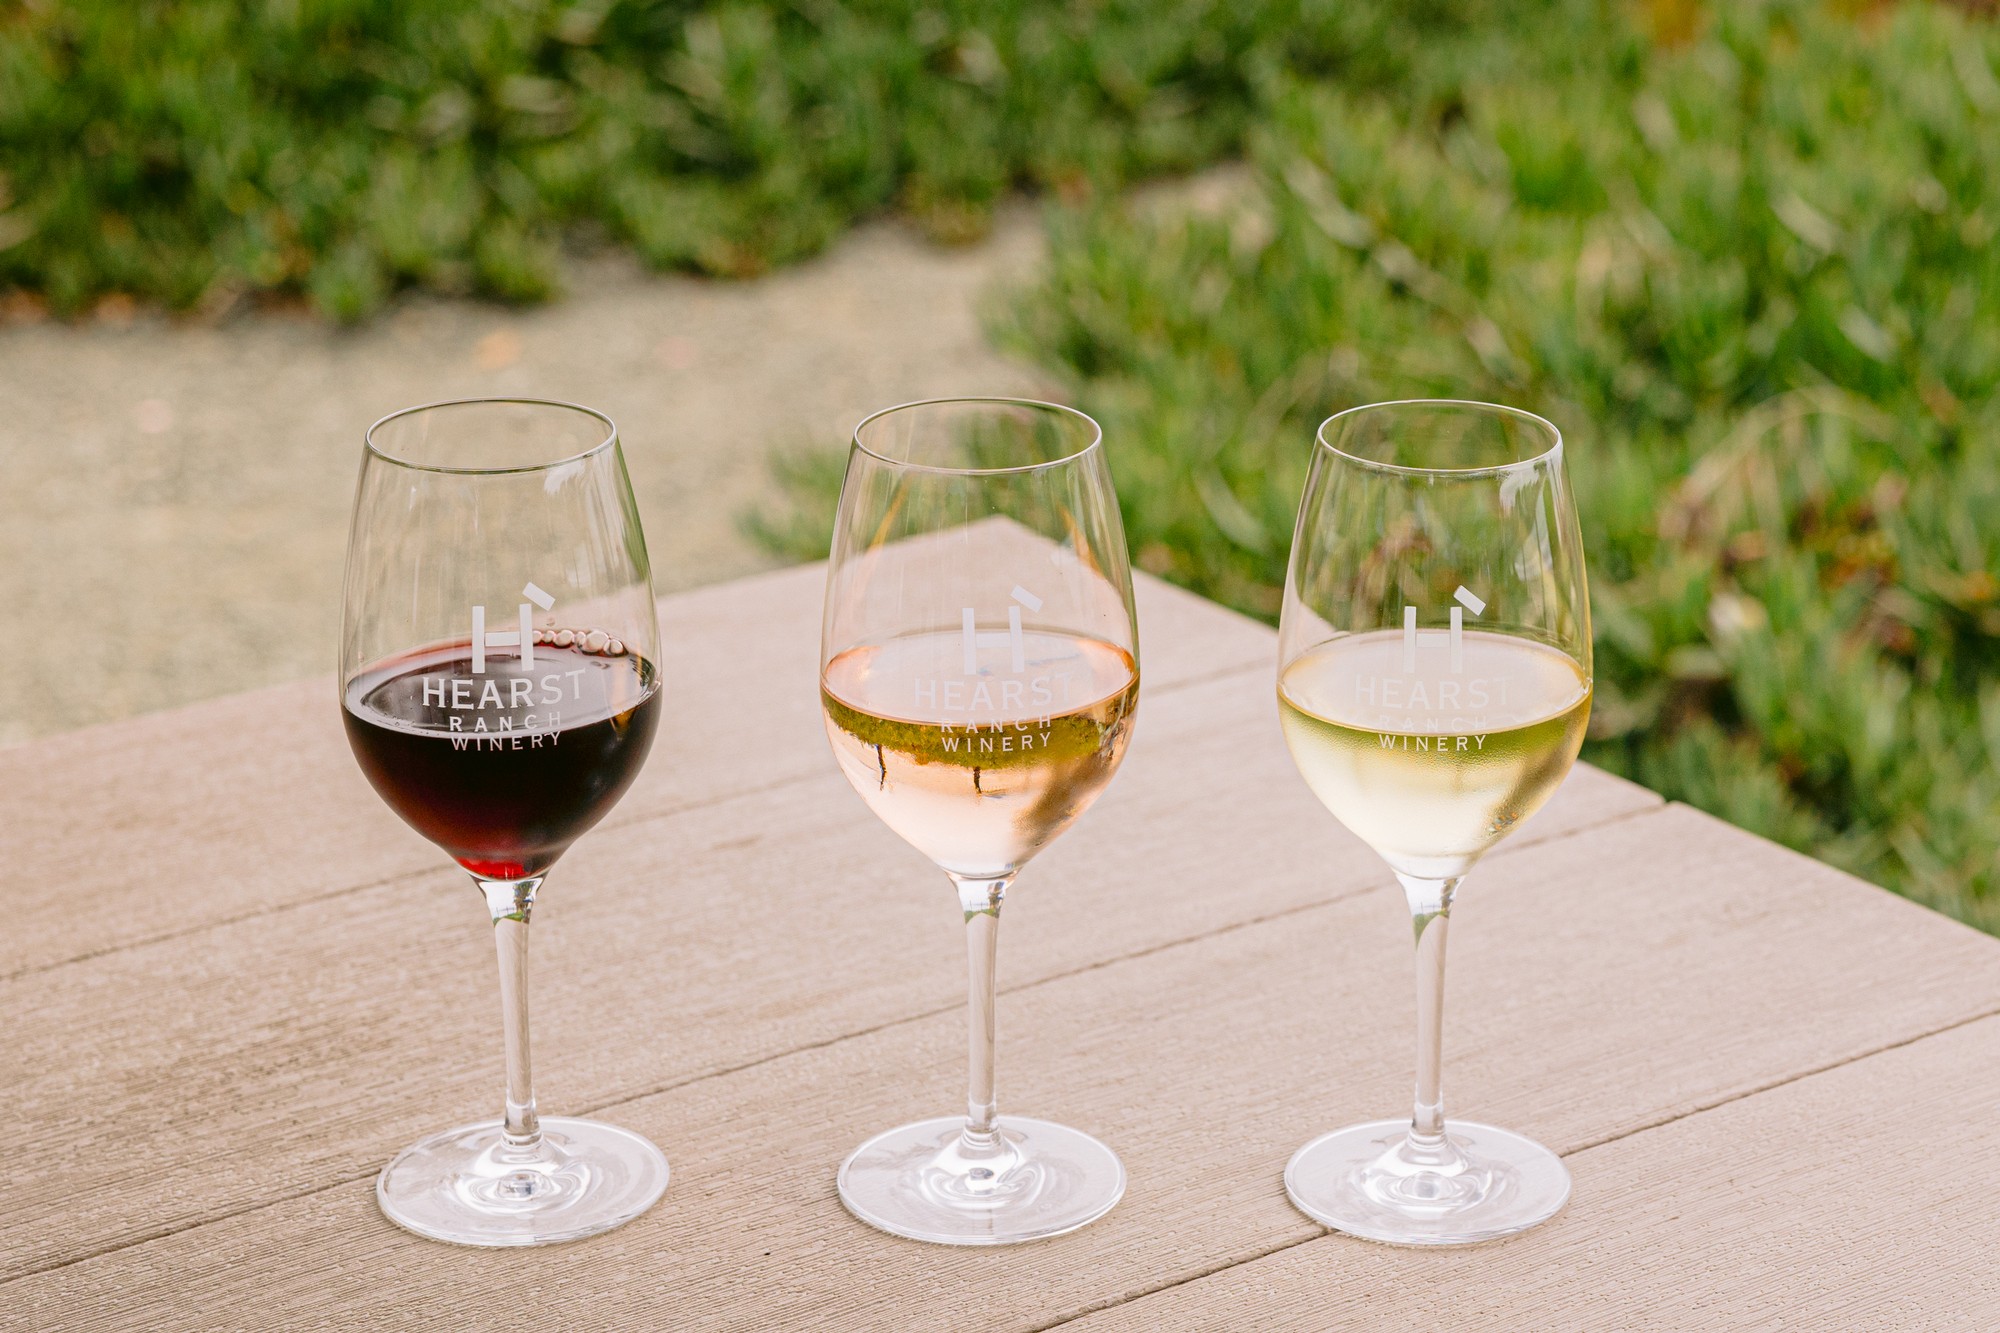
[1433, 683]
[979, 673]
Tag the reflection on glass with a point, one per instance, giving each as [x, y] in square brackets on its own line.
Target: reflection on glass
[1433, 684]
[979, 673]
[500, 690]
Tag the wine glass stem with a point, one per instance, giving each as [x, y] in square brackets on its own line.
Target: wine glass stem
[1430, 915]
[511, 902]
[980, 899]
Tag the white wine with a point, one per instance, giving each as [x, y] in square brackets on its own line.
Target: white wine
[1429, 765]
[979, 769]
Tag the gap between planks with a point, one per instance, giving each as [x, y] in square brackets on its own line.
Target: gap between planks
[1661, 1122]
[1322, 904]
[610, 823]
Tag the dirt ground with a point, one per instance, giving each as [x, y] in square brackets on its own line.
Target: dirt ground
[176, 496]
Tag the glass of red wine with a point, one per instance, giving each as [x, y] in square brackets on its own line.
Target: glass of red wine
[500, 687]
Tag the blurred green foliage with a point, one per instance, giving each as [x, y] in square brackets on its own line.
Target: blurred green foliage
[193, 151]
[1747, 262]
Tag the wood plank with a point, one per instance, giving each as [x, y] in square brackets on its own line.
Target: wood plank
[148, 828]
[318, 1039]
[1856, 1198]
[1602, 983]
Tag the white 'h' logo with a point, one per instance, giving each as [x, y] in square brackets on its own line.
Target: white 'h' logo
[974, 640]
[507, 638]
[1455, 637]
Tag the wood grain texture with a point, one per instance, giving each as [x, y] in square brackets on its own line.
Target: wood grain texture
[1636, 975]
[1860, 1197]
[152, 827]
[239, 985]
[324, 1035]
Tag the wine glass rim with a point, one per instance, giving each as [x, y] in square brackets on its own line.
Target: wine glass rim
[1061, 409]
[375, 448]
[1491, 469]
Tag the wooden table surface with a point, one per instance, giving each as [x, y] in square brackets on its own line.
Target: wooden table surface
[238, 985]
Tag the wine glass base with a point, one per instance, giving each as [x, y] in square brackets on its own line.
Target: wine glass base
[1357, 1181]
[1032, 1180]
[468, 1187]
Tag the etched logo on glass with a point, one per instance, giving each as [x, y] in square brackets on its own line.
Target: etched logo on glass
[973, 640]
[1005, 679]
[524, 638]
[519, 699]
[1438, 693]
[1454, 638]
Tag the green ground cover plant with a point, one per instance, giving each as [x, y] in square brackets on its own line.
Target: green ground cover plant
[1751, 271]
[192, 152]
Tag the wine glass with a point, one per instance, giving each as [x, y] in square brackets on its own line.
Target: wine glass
[1433, 683]
[979, 673]
[500, 687]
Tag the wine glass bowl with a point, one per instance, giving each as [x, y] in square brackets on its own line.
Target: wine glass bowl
[1434, 684]
[979, 677]
[1049, 742]
[500, 692]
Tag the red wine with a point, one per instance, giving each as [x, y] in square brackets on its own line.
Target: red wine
[506, 768]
